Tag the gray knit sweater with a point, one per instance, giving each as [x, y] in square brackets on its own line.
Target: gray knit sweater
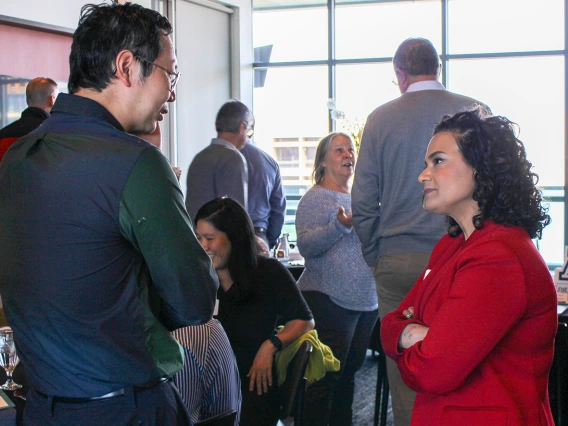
[387, 197]
[334, 262]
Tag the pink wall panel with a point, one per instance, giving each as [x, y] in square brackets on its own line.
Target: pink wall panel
[29, 53]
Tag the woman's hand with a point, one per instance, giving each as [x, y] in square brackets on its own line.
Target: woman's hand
[261, 371]
[177, 170]
[412, 334]
[344, 219]
[409, 313]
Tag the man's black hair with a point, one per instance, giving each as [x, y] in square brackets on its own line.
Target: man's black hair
[106, 29]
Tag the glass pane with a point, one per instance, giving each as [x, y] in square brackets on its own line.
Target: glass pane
[12, 99]
[360, 89]
[291, 116]
[477, 26]
[551, 246]
[376, 30]
[294, 34]
[283, 4]
[288, 157]
[536, 105]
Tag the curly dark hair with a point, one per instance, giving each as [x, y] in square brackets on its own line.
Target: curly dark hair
[505, 188]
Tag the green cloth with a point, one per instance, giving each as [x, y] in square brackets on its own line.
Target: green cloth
[321, 359]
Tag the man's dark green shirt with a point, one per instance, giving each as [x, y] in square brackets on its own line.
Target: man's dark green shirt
[99, 260]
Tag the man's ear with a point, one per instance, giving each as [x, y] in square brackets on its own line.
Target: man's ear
[52, 99]
[400, 76]
[125, 64]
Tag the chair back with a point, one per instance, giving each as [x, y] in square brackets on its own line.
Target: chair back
[293, 388]
[225, 419]
[558, 379]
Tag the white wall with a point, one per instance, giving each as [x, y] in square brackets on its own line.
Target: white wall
[243, 89]
[62, 13]
[65, 13]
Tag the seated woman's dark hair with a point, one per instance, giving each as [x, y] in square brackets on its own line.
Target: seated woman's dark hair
[505, 188]
[229, 217]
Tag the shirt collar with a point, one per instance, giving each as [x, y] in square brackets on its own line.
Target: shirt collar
[226, 144]
[35, 112]
[79, 105]
[425, 85]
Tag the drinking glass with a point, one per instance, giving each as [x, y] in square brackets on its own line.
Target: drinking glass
[8, 357]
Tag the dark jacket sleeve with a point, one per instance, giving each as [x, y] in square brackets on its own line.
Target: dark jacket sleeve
[153, 218]
[277, 210]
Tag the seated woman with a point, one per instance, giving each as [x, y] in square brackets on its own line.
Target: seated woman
[256, 295]
[337, 283]
[475, 336]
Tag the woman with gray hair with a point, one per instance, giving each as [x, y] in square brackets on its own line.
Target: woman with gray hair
[337, 284]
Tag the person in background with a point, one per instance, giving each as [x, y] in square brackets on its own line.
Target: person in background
[209, 380]
[41, 93]
[220, 169]
[475, 335]
[256, 295]
[266, 201]
[94, 227]
[397, 236]
[337, 284]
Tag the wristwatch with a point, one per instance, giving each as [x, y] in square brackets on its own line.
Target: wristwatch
[275, 340]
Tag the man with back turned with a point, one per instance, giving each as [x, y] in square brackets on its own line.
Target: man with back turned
[396, 234]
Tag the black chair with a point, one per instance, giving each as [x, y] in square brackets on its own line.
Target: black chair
[558, 379]
[293, 389]
[382, 391]
[225, 419]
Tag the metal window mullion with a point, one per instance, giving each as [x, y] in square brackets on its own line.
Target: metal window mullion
[444, 55]
[565, 125]
[331, 57]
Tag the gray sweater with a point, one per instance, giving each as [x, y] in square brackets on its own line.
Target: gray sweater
[387, 197]
[334, 262]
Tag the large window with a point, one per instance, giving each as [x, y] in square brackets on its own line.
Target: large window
[510, 54]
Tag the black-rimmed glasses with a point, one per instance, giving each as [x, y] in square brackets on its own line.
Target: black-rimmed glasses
[173, 75]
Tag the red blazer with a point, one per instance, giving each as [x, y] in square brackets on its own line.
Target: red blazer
[490, 303]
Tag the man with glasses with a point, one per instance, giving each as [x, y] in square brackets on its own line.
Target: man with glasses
[99, 258]
[220, 169]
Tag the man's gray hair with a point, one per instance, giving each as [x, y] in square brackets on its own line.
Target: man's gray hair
[230, 116]
[39, 90]
[417, 56]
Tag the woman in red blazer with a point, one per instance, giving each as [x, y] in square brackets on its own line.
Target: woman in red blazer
[475, 336]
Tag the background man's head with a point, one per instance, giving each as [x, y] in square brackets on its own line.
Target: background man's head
[41, 93]
[106, 29]
[234, 122]
[415, 60]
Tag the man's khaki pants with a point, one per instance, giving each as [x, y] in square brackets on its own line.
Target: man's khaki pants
[394, 277]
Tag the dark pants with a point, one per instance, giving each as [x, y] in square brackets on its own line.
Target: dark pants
[158, 405]
[258, 410]
[347, 333]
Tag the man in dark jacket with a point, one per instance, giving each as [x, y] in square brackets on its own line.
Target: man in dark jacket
[94, 227]
[40, 97]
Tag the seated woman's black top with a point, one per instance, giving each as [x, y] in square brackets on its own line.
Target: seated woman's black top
[249, 323]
